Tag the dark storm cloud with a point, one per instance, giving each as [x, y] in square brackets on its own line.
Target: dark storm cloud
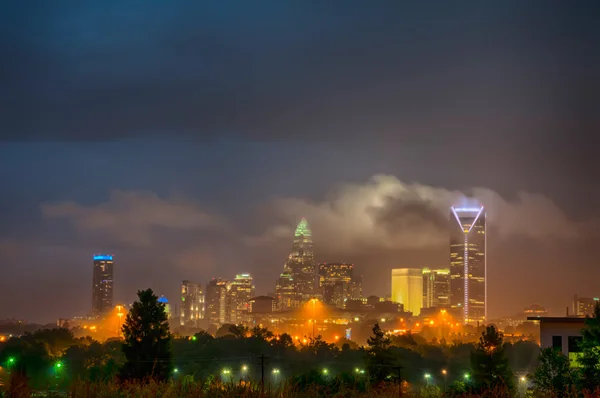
[397, 215]
[320, 71]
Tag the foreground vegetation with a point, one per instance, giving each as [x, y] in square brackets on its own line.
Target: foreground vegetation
[254, 362]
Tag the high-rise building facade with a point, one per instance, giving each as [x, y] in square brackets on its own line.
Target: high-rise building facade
[300, 269]
[216, 301]
[468, 290]
[285, 292]
[436, 288]
[192, 304]
[102, 285]
[584, 306]
[337, 283]
[407, 288]
[241, 290]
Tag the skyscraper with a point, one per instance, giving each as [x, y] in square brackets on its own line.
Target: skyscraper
[337, 283]
[216, 301]
[300, 267]
[192, 303]
[285, 293]
[468, 288]
[102, 289]
[436, 288]
[241, 290]
[407, 288]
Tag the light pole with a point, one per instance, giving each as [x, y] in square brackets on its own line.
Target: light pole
[445, 373]
[427, 377]
[314, 301]
[119, 314]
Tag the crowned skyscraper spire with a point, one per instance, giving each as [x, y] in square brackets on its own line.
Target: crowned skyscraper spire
[297, 282]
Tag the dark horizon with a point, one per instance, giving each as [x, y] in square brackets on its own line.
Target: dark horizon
[188, 140]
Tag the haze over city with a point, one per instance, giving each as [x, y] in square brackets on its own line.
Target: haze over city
[189, 142]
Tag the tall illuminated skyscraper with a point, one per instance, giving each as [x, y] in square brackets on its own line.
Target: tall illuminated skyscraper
[241, 290]
[468, 288]
[192, 303]
[102, 289]
[337, 283]
[300, 271]
[407, 288]
[216, 301]
[436, 288]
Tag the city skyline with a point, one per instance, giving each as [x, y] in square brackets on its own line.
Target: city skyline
[189, 139]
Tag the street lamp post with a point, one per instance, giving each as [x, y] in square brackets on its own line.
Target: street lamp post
[119, 314]
[314, 301]
[445, 373]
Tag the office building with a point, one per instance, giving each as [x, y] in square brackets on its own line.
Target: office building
[584, 306]
[216, 301]
[165, 301]
[102, 287]
[192, 304]
[262, 305]
[297, 283]
[337, 283]
[436, 288]
[468, 290]
[407, 288]
[562, 334]
[240, 291]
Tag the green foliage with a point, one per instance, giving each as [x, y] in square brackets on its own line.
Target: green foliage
[554, 376]
[489, 363]
[147, 345]
[380, 360]
[590, 350]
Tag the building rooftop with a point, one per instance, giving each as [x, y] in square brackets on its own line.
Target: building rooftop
[572, 319]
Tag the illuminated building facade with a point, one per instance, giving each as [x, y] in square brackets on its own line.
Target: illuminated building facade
[285, 292]
[468, 290]
[165, 301]
[337, 283]
[102, 288]
[192, 303]
[216, 301]
[436, 288]
[240, 291]
[407, 288]
[584, 306]
[297, 283]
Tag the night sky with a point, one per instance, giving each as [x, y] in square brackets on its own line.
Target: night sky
[188, 139]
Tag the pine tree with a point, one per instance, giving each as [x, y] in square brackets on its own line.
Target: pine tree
[147, 345]
[590, 350]
[489, 363]
[380, 360]
[554, 376]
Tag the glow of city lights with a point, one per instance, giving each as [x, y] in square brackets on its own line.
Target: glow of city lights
[325, 371]
[336, 337]
[226, 371]
[304, 341]
[58, 365]
[357, 370]
[244, 368]
[175, 370]
[11, 360]
[431, 322]
[467, 376]
[444, 372]
[522, 378]
[427, 375]
[276, 371]
[194, 338]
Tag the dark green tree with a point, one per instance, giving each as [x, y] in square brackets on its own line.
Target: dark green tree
[147, 345]
[380, 360]
[554, 376]
[490, 364]
[590, 351]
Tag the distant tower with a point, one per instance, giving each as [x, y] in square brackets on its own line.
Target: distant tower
[192, 304]
[337, 283]
[241, 290]
[468, 288]
[216, 301]
[165, 301]
[102, 289]
[436, 288]
[300, 271]
[407, 288]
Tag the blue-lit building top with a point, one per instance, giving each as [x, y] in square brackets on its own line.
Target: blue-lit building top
[103, 257]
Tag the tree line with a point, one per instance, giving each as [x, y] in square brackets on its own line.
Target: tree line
[255, 357]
